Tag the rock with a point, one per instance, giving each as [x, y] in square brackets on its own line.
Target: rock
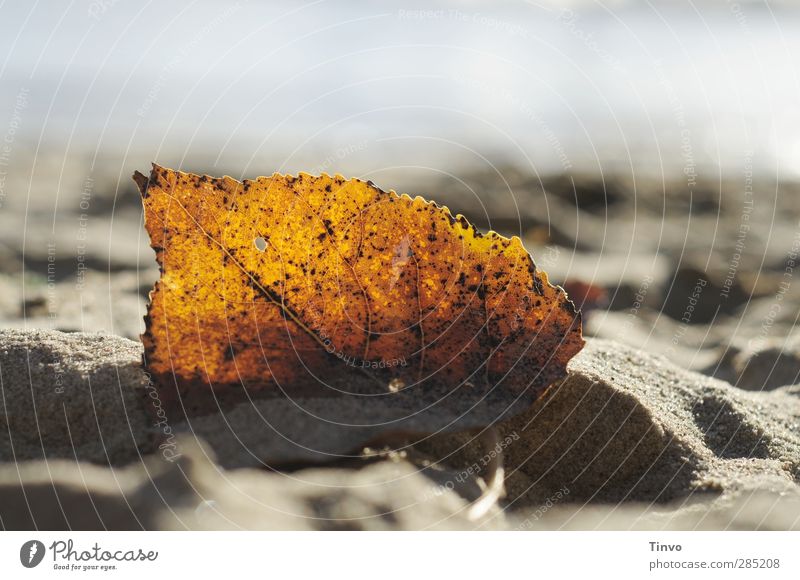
[691, 346]
[627, 279]
[192, 492]
[629, 426]
[59, 494]
[91, 389]
[93, 302]
[283, 430]
[758, 510]
[674, 448]
[755, 348]
[56, 246]
[73, 396]
[768, 364]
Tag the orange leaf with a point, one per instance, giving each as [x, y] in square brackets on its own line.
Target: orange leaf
[322, 286]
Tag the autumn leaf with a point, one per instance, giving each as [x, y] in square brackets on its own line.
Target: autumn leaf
[319, 286]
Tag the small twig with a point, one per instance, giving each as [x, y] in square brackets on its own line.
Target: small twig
[493, 481]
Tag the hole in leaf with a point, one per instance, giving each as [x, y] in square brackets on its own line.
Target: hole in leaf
[260, 243]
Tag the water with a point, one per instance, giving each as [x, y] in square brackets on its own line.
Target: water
[366, 88]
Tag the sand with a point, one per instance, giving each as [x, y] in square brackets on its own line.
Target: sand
[666, 421]
[628, 440]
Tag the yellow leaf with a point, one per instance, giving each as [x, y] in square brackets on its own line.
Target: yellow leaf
[320, 286]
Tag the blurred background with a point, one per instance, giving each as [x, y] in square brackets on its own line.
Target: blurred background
[646, 152]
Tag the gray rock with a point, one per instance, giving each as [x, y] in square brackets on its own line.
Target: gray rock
[629, 426]
[73, 396]
[93, 302]
[696, 347]
[759, 510]
[48, 244]
[193, 492]
[89, 392]
[628, 279]
[672, 448]
[768, 364]
[754, 349]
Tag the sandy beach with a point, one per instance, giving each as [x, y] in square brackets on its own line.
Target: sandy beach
[645, 154]
[681, 412]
